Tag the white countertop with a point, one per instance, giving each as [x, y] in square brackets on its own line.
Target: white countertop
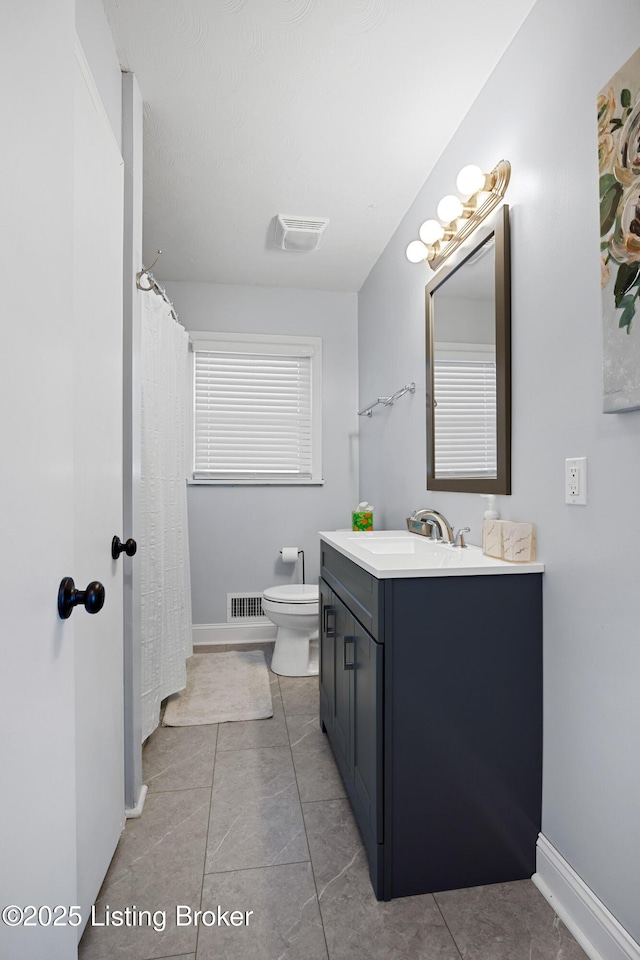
[398, 553]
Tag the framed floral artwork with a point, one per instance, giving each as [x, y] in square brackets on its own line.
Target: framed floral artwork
[619, 161]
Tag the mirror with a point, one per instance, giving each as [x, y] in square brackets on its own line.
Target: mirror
[468, 355]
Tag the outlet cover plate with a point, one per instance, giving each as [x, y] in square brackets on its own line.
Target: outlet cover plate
[575, 481]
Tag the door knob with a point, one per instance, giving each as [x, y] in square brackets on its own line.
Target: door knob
[68, 597]
[117, 547]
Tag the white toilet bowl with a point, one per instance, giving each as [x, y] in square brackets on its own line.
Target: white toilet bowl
[294, 610]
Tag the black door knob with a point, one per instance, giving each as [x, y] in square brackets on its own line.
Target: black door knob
[68, 597]
[117, 547]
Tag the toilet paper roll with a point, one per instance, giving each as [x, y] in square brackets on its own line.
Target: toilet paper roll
[290, 554]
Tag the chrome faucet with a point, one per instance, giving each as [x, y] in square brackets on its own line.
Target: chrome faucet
[439, 524]
[458, 540]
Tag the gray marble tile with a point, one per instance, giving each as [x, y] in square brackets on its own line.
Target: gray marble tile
[300, 695]
[182, 956]
[256, 835]
[316, 771]
[356, 925]
[158, 864]
[285, 923]
[506, 921]
[244, 734]
[256, 820]
[253, 775]
[179, 758]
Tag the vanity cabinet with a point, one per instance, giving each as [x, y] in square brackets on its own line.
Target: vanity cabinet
[431, 697]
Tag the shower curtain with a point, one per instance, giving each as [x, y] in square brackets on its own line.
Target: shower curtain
[166, 628]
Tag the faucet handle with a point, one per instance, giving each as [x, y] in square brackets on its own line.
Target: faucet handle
[459, 537]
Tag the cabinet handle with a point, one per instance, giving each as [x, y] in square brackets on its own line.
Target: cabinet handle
[329, 631]
[348, 664]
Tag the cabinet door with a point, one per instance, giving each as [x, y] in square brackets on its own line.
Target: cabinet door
[367, 728]
[343, 683]
[327, 656]
[351, 707]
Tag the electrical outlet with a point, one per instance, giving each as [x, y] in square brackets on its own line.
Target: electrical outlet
[575, 480]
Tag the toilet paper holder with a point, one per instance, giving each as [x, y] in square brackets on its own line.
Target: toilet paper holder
[300, 553]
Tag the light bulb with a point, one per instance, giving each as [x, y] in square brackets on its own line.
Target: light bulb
[470, 180]
[431, 231]
[417, 251]
[449, 209]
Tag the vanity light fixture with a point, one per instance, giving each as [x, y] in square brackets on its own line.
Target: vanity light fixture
[459, 216]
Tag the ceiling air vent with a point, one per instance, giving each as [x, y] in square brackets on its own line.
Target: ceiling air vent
[299, 233]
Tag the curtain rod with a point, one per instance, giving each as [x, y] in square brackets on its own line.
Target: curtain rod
[154, 285]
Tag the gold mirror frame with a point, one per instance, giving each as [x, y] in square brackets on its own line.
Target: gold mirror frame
[500, 484]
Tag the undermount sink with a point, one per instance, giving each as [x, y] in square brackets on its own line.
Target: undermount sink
[393, 546]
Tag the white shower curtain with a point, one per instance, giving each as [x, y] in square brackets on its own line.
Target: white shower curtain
[166, 628]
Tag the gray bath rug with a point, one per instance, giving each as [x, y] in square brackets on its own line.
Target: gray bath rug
[221, 687]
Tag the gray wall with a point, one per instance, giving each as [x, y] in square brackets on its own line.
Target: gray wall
[236, 532]
[538, 111]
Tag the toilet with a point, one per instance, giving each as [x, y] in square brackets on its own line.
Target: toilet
[294, 610]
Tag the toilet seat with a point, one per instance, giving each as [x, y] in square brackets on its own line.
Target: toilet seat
[301, 593]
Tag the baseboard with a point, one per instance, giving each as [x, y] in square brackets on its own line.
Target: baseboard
[132, 813]
[211, 634]
[595, 928]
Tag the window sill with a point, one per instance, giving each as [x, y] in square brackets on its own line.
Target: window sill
[254, 483]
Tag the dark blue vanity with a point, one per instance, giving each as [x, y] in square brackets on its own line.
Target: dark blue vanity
[431, 697]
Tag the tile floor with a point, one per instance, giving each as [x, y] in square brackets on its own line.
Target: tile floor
[253, 817]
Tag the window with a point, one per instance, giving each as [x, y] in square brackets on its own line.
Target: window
[257, 409]
[464, 386]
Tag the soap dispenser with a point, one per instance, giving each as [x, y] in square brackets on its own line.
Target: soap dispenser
[489, 515]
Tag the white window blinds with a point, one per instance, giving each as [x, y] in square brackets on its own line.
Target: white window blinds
[465, 412]
[254, 416]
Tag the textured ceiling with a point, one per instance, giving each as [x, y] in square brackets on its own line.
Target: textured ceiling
[311, 108]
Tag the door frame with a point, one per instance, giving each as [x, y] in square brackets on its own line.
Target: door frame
[132, 115]
[97, 506]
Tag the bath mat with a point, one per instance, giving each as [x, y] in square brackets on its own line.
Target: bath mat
[221, 687]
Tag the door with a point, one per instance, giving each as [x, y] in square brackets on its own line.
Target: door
[342, 718]
[336, 640]
[351, 676]
[367, 728]
[60, 680]
[98, 226]
[327, 656]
